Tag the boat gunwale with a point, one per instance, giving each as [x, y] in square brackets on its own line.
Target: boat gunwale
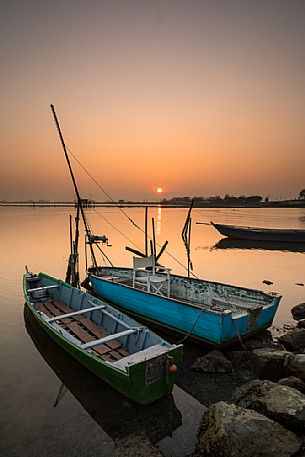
[196, 339]
[273, 295]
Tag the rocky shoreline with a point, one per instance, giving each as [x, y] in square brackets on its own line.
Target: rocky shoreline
[255, 395]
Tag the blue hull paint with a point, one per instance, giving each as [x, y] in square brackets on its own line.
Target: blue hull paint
[216, 328]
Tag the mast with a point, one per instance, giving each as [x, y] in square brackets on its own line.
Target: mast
[79, 200]
[186, 237]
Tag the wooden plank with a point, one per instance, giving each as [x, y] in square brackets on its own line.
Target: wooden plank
[115, 355]
[84, 336]
[93, 328]
[60, 305]
[114, 346]
[52, 308]
[103, 351]
[43, 309]
[98, 332]
[110, 337]
[122, 352]
[107, 358]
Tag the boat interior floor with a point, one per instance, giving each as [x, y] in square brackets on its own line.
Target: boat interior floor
[84, 329]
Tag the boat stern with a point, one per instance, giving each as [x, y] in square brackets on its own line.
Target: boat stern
[153, 376]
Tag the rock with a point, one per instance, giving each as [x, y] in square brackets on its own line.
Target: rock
[271, 363]
[298, 311]
[301, 323]
[299, 284]
[294, 339]
[266, 281]
[231, 431]
[242, 360]
[213, 362]
[278, 402]
[293, 381]
[137, 445]
[296, 366]
[262, 340]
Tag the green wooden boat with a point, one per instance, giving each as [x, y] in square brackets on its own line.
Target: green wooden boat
[127, 355]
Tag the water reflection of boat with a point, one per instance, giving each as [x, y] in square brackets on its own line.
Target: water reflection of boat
[230, 243]
[261, 234]
[116, 415]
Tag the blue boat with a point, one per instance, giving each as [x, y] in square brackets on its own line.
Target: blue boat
[210, 312]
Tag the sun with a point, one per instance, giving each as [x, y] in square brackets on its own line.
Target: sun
[159, 190]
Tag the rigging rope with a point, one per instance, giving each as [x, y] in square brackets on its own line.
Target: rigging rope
[100, 187]
[125, 214]
[118, 230]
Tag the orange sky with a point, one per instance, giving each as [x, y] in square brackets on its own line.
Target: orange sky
[199, 97]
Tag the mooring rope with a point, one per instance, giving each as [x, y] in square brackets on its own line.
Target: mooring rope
[193, 326]
[238, 335]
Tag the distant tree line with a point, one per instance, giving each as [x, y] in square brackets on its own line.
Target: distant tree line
[217, 199]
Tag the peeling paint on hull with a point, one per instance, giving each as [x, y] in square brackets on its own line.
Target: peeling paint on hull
[210, 312]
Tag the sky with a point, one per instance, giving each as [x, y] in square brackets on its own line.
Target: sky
[197, 97]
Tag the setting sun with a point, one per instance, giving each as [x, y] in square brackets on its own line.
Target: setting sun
[159, 190]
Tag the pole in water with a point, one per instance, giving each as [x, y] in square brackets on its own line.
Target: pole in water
[145, 229]
[154, 237]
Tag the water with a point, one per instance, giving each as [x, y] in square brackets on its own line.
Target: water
[51, 405]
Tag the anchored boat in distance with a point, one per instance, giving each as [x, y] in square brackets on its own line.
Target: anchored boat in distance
[261, 234]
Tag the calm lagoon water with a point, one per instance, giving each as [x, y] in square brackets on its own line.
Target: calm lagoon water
[51, 405]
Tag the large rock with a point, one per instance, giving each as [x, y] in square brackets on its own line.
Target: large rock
[294, 339]
[296, 366]
[242, 360]
[298, 312]
[213, 362]
[280, 403]
[231, 431]
[293, 381]
[301, 323]
[271, 363]
[262, 340]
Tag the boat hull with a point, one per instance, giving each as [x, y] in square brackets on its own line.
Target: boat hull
[132, 383]
[261, 234]
[218, 329]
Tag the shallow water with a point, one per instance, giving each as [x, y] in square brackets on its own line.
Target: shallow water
[88, 415]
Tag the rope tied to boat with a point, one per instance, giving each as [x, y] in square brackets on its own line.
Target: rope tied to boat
[192, 328]
[238, 335]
